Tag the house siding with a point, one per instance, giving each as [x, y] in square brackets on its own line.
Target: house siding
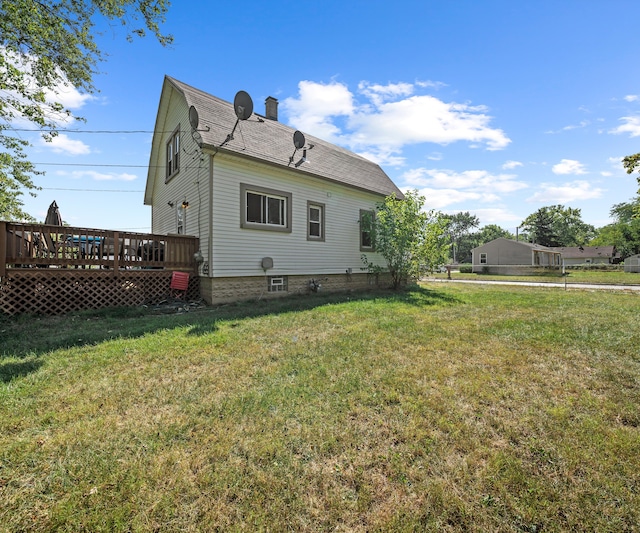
[505, 256]
[632, 263]
[238, 251]
[188, 184]
[210, 178]
[501, 253]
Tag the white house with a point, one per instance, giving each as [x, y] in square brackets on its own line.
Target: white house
[276, 211]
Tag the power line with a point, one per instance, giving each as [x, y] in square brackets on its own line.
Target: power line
[86, 131]
[107, 165]
[86, 190]
[93, 165]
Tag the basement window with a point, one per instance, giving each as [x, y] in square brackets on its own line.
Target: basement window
[277, 284]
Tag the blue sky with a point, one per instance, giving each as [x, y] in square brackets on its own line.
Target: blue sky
[493, 107]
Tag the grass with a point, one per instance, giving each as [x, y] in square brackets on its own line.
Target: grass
[457, 408]
[602, 277]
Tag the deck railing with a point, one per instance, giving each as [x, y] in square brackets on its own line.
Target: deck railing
[42, 246]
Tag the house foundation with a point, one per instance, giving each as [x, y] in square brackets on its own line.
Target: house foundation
[234, 289]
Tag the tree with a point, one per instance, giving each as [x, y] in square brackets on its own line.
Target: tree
[410, 240]
[491, 232]
[458, 226]
[468, 242]
[47, 45]
[624, 233]
[631, 163]
[557, 225]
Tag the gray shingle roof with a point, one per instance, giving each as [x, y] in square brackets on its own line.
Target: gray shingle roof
[272, 142]
[579, 252]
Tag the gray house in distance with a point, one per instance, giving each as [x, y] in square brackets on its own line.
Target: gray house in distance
[587, 255]
[632, 263]
[505, 256]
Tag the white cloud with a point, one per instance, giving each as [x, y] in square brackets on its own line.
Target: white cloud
[581, 124]
[569, 166]
[567, 192]
[631, 126]
[382, 119]
[63, 93]
[62, 144]
[632, 97]
[478, 182]
[381, 93]
[100, 176]
[439, 198]
[431, 84]
[497, 215]
[616, 163]
[316, 106]
[509, 165]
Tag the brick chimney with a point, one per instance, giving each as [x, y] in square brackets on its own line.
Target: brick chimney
[271, 108]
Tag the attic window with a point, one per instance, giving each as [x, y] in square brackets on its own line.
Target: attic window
[173, 154]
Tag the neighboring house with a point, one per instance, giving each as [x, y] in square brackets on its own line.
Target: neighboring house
[506, 256]
[273, 217]
[632, 263]
[587, 255]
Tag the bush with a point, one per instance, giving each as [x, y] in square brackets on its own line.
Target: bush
[465, 269]
[599, 267]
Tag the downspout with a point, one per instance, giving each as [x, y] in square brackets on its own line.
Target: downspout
[210, 215]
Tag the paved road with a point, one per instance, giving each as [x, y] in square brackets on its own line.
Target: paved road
[583, 286]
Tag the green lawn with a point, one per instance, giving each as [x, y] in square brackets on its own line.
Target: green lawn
[447, 408]
[573, 276]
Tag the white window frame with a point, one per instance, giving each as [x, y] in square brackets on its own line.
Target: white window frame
[173, 155]
[285, 197]
[363, 247]
[483, 258]
[277, 284]
[319, 224]
[181, 220]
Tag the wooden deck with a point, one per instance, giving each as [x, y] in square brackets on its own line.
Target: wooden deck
[48, 269]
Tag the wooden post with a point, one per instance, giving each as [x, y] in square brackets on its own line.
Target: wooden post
[3, 249]
[116, 252]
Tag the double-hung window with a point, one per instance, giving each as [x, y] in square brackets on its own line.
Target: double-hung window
[173, 154]
[483, 258]
[265, 209]
[315, 221]
[366, 230]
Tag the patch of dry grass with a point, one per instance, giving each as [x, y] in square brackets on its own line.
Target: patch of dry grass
[456, 409]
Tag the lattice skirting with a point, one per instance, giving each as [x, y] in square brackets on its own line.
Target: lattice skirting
[58, 291]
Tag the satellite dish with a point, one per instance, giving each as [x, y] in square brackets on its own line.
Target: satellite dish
[193, 118]
[243, 105]
[298, 139]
